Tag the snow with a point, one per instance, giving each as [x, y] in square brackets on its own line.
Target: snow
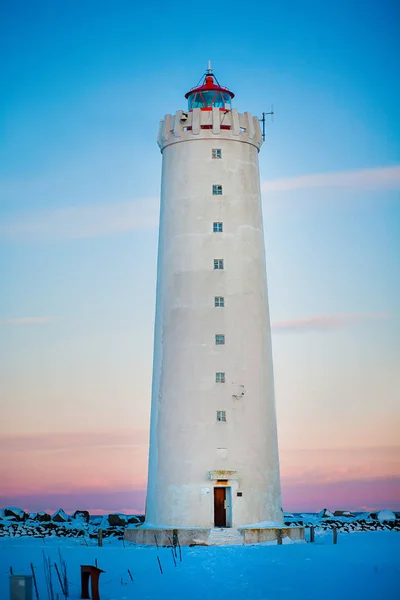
[325, 513]
[18, 512]
[386, 515]
[61, 515]
[362, 565]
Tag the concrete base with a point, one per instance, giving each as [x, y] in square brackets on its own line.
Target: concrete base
[151, 536]
[258, 535]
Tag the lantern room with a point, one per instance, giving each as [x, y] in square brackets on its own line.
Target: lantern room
[209, 94]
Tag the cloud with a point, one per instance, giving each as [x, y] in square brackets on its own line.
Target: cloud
[110, 219]
[324, 322]
[83, 221]
[66, 462]
[381, 178]
[51, 442]
[375, 493]
[129, 500]
[27, 320]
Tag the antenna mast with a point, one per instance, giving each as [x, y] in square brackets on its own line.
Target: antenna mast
[263, 121]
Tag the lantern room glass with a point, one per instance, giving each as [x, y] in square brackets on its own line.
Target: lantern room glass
[208, 99]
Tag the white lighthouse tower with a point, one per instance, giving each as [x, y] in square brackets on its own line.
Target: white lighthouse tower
[213, 443]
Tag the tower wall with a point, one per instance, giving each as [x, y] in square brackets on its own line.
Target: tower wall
[190, 452]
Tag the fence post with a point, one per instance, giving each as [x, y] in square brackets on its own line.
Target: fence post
[312, 534]
[279, 537]
[335, 535]
[100, 537]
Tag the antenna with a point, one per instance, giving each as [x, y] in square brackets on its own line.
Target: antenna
[263, 121]
[209, 69]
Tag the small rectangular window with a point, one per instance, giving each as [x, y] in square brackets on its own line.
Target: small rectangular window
[219, 339]
[220, 377]
[217, 190]
[219, 301]
[217, 227]
[221, 416]
[216, 153]
[218, 263]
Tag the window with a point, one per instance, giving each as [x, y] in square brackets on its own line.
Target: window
[217, 227]
[219, 301]
[220, 377]
[218, 263]
[221, 416]
[219, 339]
[217, 190]
[205, 98]
[216, 153]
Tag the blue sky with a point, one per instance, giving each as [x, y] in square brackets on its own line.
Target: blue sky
[84, 87]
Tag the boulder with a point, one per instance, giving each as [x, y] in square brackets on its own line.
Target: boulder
[117, 520]
[343, 513]
[325, 514]
[43, 517]
[81, 515]
[60, 516]
[386, 515]
[133, 519]
[18, 513]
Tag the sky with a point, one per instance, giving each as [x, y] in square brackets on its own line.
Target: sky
[84, 88]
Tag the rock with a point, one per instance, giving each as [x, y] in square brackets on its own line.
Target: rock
[343, 513]
[325, 513]
[81, 515]
[60, 516]
[133, 519]
[386, 515]
[117, 520]
[42, 517]
[18, 513]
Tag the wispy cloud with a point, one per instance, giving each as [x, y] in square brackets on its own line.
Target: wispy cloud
[83, 221]
[27, 320]
[381, 178]
[323, 322]
[50, 442]
[109, 219]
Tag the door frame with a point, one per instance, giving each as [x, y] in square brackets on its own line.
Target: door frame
[227, 507]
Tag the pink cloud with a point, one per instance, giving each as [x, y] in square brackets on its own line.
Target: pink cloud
[30, 464]
[357, 495]
[106, 471]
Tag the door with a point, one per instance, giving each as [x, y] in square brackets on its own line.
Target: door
[220, 507]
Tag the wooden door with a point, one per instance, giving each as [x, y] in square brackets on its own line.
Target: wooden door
[219, 507]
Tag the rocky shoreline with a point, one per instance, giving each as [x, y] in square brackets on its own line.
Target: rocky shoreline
[15, 522]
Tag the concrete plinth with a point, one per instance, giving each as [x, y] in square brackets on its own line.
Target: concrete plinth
[258, 535]
[151, 536]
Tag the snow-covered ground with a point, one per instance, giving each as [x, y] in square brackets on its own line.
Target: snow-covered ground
[363, 565]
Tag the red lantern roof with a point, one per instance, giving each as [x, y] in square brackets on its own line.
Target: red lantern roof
[209, 94]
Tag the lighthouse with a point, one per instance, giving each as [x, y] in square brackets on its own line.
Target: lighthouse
[213, 459]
